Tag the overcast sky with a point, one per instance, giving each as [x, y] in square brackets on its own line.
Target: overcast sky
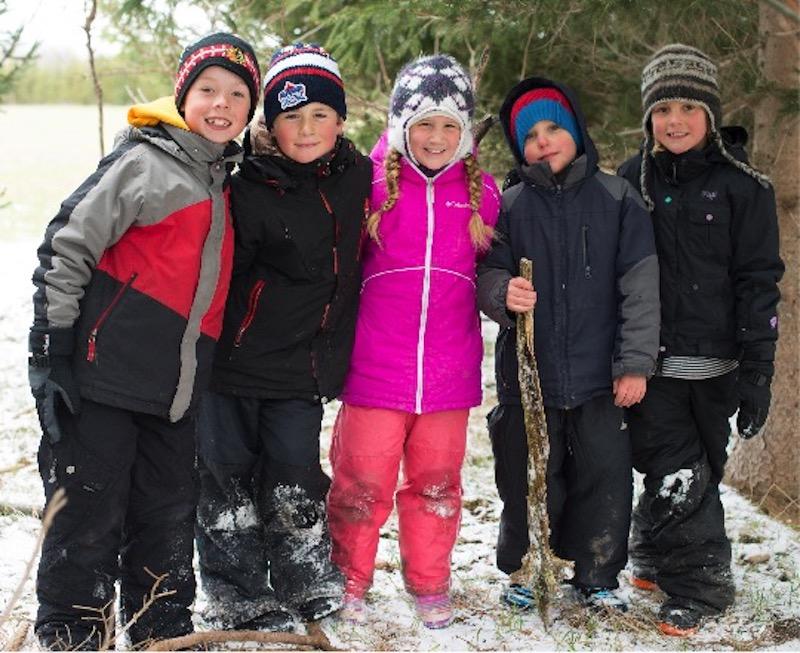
[56, 24]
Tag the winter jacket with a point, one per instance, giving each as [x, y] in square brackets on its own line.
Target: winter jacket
[418, 342]
[138, 261]
[291, 312]
[717, 238]
[594, 269]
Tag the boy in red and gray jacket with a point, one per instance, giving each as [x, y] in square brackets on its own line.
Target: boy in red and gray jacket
[131, 285]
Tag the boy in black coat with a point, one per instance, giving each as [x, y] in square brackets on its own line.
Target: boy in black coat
[717, 238]
[596, 276]
[299, 202]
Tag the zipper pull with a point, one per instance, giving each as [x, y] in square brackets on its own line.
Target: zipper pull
[91, 352]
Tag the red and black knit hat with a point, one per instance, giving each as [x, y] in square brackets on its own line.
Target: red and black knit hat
[218, 49]
[299, 74]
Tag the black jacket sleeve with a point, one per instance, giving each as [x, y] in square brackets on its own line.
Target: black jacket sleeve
[756, 268]
[495, 271]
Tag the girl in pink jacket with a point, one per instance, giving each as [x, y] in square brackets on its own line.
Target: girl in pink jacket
[415, 368]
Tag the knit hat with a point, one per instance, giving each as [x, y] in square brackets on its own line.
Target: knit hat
[684, 74]
[681, 73]
[543, 104]
[299, 74]
[431, 85]
[218, 49]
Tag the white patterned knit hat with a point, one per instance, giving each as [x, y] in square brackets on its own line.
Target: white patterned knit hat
[435, 84]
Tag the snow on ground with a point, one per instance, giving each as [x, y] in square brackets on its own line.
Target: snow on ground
[766, 553]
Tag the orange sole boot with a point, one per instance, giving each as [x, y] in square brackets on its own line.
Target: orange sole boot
[678, 622]
[643, 584]
[677, 631]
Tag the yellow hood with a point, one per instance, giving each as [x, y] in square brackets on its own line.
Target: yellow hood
[151, 113]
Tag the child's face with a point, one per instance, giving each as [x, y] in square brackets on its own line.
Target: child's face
[547, 141]
[680, 126]
[217, 104]
[434, 140]
[307, 133]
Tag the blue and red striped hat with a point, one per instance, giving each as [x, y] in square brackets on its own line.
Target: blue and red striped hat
[546, 103]
[299, 74]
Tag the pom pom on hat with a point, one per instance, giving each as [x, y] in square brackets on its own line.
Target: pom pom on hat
[218, 49]
[299, 74]
[545, 103]
[434, 84]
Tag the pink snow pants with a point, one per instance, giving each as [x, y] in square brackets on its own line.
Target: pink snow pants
[367, 448]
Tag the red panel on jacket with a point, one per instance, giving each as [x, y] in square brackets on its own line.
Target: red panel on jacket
[166, 259]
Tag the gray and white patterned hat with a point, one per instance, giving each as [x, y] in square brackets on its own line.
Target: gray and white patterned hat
[682, 73]
[436, 84]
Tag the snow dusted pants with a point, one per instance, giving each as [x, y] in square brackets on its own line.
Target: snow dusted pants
[131, 490]
[589, 487]
[262, 533]
[680, 433]
[367, 449]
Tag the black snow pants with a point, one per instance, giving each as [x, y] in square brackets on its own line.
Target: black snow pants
[262, 531]
[679, 434]
[589, 487]
[131, 489]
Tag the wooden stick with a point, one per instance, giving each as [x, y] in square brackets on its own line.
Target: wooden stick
[315, 638]
[540, 566]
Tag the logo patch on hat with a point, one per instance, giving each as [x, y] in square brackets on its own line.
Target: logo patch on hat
[292, 95]
[236, 55]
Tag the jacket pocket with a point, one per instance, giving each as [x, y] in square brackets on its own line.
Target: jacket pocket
[709, 230]
[94, 332]
[252, 307]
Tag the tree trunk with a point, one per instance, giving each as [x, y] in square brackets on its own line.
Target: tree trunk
[767, 468]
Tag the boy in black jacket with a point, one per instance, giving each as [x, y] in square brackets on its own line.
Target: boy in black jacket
[717, 238]
[299, 202]
[591, 243]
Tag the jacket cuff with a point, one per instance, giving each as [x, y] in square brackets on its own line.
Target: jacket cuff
[56, 341]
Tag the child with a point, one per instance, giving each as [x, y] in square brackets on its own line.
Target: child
[596, 335]
[415, 370]
[717, 239]
[299, 200]
[131, 285]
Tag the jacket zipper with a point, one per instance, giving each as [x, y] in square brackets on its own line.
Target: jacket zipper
[91, 350]
[252, 305]
[587, 268]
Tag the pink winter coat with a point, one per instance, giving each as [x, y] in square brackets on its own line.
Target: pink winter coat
[418, 345]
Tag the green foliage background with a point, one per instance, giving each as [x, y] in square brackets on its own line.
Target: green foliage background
[596, 46]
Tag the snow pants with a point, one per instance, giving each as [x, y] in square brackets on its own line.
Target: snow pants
[368, 446]
[131, 490]
[589, 487]
[262, 533]
[680, 433]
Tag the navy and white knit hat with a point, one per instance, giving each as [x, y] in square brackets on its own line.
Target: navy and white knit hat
[681, 73]
[218, 49]
[431, 85]
[299, 74]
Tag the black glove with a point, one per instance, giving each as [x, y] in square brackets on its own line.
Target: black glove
[752, 386]
[50, 374]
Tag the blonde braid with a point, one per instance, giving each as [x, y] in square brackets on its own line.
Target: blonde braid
[480, 233]
[392, 171]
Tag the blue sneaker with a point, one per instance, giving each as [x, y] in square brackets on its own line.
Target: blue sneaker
[600, 598]
[518, 596]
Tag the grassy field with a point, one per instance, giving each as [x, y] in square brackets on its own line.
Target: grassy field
[48, 150]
